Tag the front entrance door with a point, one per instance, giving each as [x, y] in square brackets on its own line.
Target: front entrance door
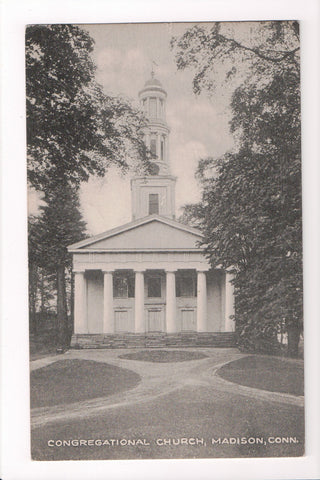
[155, 320]
[188, 320]
[122, 320]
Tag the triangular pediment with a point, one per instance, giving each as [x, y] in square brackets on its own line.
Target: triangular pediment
[151, 233]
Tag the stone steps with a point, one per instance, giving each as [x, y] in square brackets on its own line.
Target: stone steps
[154, 340]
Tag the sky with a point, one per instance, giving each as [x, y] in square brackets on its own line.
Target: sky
[124, 54]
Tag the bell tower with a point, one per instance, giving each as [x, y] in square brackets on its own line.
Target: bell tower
[154, 193]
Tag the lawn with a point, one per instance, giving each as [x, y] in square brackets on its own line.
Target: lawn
[193, 411]
[200, 411]
[164, 356]
[266, 373]
[68, 381]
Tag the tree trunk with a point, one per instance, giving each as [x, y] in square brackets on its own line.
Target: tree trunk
[293, 340]
[62, 316]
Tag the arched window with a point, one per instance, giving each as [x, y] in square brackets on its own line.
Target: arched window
[161, 108]
[153, 145]
[153, 107]
[162, 148]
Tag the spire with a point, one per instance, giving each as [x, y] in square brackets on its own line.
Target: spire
[153, 101]
[154, 193]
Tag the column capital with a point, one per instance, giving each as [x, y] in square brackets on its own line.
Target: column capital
[79, 270]
[139, 270]
[171, 270]
[107, 271]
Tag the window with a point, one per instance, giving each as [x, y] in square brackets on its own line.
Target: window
[153, 203]
[153, 146]
[154, 287]
[153, 107]
[185, 286]
[161, 108]
[162, 148]
[123, 286]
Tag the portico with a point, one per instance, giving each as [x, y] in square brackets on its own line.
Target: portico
[141, 292]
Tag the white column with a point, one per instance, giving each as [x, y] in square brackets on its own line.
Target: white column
[229, 324]
[166, 148]
[139, 302]
[80, 303]
[108, 320]
[201, 302]
[171, 310]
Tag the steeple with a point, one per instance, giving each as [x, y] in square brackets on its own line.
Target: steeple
[153, 102]
[155, 193]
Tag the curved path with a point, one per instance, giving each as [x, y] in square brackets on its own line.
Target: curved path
[157, 379]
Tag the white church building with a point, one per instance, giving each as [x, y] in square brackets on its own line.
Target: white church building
[148, 283]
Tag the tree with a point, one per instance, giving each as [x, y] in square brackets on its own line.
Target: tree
[251, 204]
[60, 225]
[74, 130]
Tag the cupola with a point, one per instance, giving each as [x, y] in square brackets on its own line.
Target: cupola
[154, 193]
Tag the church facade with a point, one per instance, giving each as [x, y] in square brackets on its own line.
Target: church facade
[148, 282]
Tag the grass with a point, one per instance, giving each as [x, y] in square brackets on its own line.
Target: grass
[195, 411]
[68, 381]
[163, 356]
[266, 373]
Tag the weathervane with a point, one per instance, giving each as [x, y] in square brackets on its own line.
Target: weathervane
[152, 69]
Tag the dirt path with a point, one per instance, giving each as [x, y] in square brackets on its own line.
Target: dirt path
[157, 379]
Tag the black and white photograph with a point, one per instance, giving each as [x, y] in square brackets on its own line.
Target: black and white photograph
[165, 240]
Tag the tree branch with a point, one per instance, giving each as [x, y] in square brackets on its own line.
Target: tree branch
[257, 52]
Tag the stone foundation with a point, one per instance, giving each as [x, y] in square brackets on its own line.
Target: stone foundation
[153, 340]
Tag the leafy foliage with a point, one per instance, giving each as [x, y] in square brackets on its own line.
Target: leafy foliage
[73, 128]
[251, 204]
[59, 224]
[241, 51]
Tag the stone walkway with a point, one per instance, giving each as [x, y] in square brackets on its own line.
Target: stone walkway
[157, 379]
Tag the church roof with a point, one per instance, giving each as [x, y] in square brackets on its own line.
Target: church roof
[145, 233]
[153, 84]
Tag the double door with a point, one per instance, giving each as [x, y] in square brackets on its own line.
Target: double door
[155, 319]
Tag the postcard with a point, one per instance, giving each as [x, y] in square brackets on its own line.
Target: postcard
[165, 240]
